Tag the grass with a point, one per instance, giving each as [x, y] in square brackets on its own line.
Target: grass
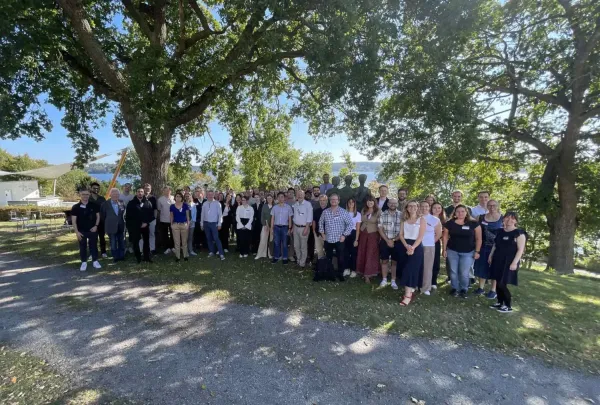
[26, 380]
[557, 317]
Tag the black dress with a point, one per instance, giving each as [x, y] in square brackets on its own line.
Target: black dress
[504, 254]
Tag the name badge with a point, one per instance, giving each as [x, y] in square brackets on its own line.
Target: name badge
[484, 223]
[141, 205]
[505, 238]
[83, 206]
[465, 228]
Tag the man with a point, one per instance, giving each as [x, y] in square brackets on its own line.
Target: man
[335, 225]
[308, 197]
[111, 214]
[389, 230]
[457, 197]
[383, 200]
[164, 220]
[211, 219]
[316, 193]
[481, 209]
[291, 200]
[402, 201]
[326, 185]
[302, 220]
[199, 235]
[86, 218]
[152, 225]
[281, 226]
[99, 200]
[126, 195]
[140, 213]
[263, 198]
[323, 201]
[291, 196]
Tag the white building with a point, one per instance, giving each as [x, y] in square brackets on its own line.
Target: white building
[18, 191]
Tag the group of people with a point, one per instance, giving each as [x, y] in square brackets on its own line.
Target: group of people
[368, 236]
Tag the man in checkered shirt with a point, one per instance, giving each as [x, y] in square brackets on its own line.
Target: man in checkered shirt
[389, 230]
[335, 225]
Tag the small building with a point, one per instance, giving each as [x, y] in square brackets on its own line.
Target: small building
[20, 190]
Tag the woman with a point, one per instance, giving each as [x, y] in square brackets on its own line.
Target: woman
[244, 216]
[433, 234]
[461, 246]
[504, 259]
[490, 223]
[437, 210]
[351, 241]
[180, 223]
[226, 225]
[265, 249]
[220, 198]
[234, 207]
[410, 250]
[367, 262]
[430, 200]
[189, 200]
[256, 225]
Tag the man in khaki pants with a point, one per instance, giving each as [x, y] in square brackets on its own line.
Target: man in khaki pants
[319, 247]
[302, 219]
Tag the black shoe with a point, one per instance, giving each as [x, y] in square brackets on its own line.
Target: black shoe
[185, 259]
[463, 294]
[139, 261]
[176, 260]
[452, 292]
[341, 278]
[153, 252]
[285, 261]
[504, 309]
[497, 305]
[274, 260]
[455, 294]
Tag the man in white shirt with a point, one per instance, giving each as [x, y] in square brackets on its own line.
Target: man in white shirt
[163, 205]
[302, 219]
[126, 195]
[481, 209]
[211, 219]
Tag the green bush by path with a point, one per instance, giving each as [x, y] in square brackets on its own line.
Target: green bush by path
[557, 318]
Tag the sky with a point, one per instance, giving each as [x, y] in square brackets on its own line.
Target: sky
[56, 147]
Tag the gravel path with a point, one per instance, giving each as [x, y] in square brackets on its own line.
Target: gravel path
[156, 346]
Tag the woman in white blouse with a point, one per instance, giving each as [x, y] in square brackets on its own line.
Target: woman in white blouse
[244, 215]
[410, 251]
[351, 242]
[433, 233]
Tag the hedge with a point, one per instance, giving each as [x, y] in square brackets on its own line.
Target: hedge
[27, 210]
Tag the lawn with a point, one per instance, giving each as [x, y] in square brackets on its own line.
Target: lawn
[557, 318]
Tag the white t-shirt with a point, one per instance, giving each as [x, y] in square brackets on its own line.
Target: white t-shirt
[411, 231]
[380, 202]
[164, 205]
[478, 210]
[429, 237]
[355, 219]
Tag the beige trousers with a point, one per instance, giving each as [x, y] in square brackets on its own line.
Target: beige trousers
[300, 244]
[264, 248]
[319, 246]
[428, 259]
[180, 237]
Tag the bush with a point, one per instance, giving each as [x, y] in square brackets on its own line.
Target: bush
[26, 210]
[590, 263]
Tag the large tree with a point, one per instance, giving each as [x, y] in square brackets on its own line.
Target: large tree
[166, 68]
[518, 82]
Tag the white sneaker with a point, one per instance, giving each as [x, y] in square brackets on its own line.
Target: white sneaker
[83, 266]
[226, 250]
[96, 265]
[394, 285]
[241, 256]
[383, 283]
[245, 255]
[427, 292]
[353, 274]
[434, 287]
[346, 272]
[222, 257]
[256, 258]
[104, 255]
[130, 250]
[167, 251]
[192, 253]
[291, 259]
[211, 254]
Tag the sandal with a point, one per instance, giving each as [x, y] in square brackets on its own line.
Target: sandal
[402, 303]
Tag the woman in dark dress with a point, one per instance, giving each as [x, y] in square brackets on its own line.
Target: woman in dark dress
[224, 232]
[490, 224]
[236, 204]
[409, 252]
[437, 210]
[504, 260]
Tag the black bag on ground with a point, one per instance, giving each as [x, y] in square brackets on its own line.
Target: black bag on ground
[324, 270]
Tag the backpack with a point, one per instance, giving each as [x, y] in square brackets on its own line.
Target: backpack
[324, 270]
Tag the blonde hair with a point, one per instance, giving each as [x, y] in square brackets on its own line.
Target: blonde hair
[405, 213]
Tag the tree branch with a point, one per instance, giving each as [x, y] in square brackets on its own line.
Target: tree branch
[197, 37]
[92, 47]
[98, 85]
[522, 136]
[591, 113]
[136, 16]
[200, 14]
[548, 98]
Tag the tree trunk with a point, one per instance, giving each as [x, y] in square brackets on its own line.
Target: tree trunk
[154, 161]
[564, 225]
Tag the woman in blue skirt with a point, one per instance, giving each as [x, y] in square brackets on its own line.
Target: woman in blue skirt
[410, 250]
[490, 224]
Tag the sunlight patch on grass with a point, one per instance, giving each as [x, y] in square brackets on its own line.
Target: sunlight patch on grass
[556, 306]
[531, 323]
[223, 295]
[385, 328]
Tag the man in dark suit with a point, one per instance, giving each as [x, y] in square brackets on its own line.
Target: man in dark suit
[111, 215]
[140, 213]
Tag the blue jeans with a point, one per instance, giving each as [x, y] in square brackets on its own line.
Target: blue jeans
[212, 237]
[117, 245]
[91, 239]
[280, 234]
[460, 264]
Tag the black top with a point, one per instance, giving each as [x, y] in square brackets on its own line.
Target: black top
[98, 201]
[139, 212]
[86, 215]
[317, 215]
[462, 237]
[152, 201]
